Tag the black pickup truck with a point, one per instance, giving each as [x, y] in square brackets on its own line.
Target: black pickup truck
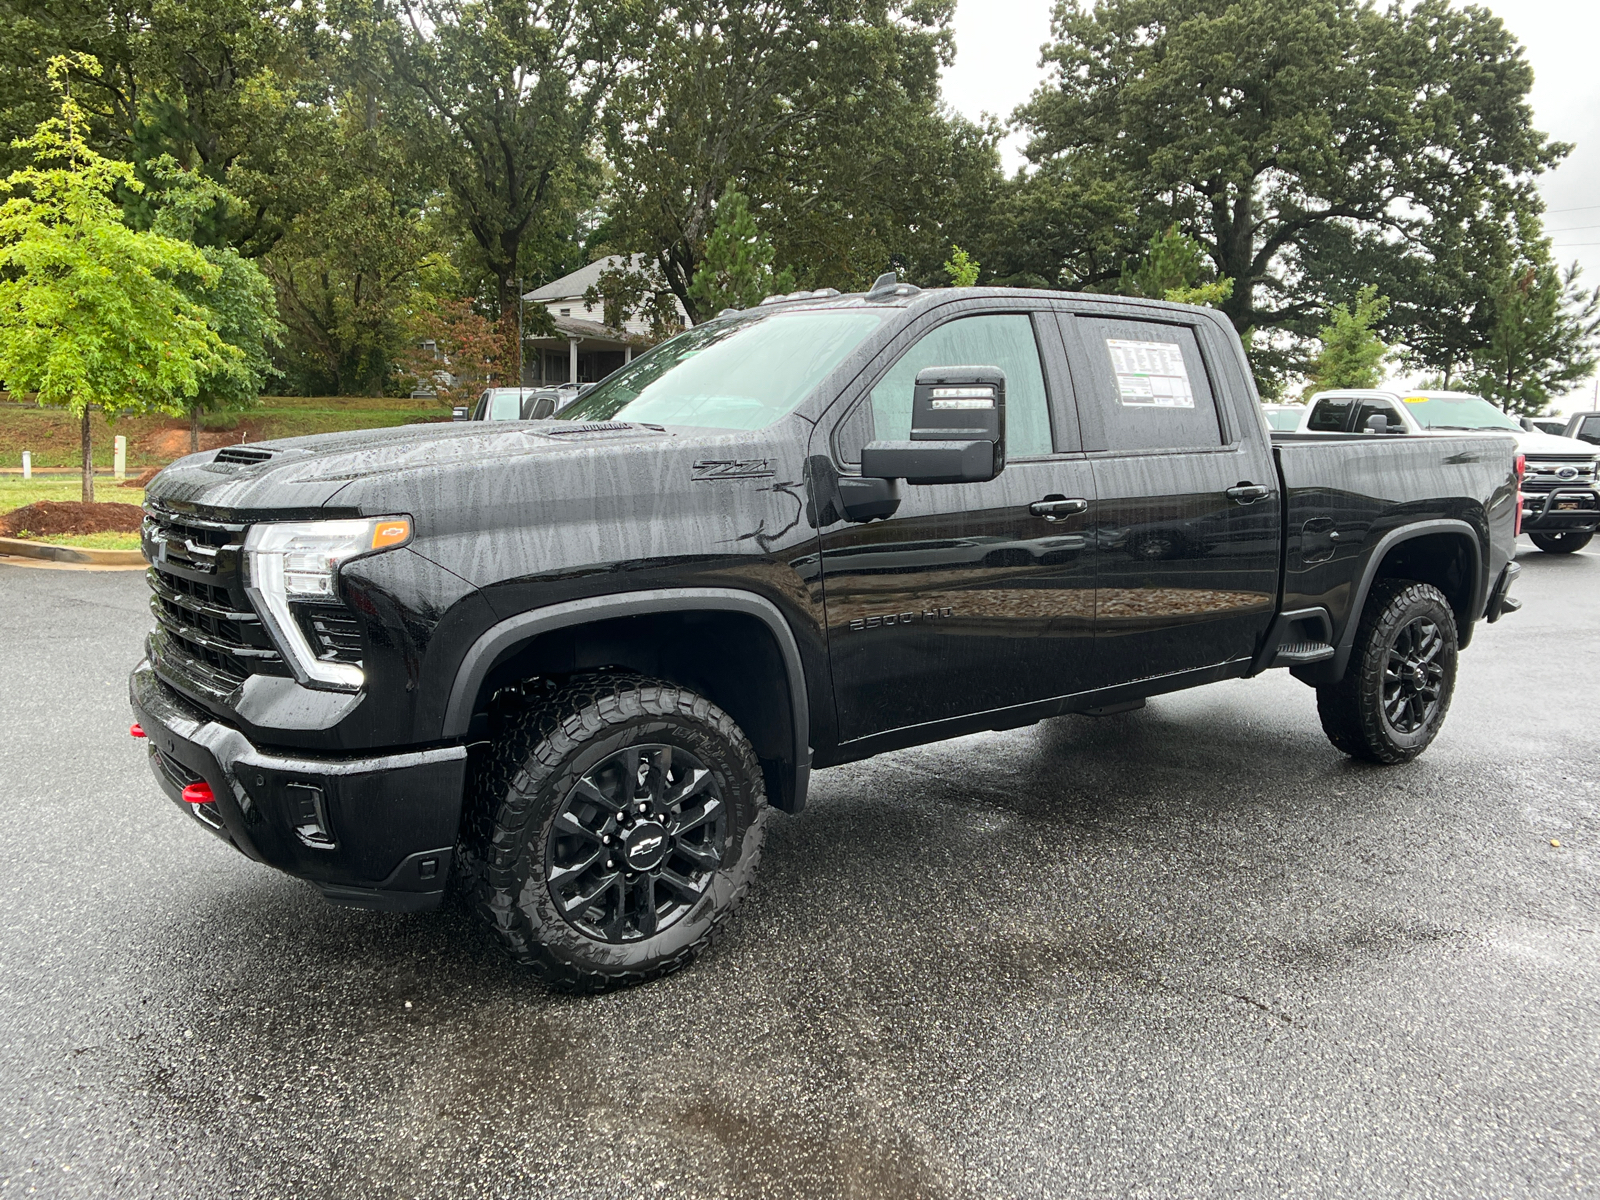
[569, 667]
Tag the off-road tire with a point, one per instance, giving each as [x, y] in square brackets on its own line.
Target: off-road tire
[1560, 543]
[1353, 710]
[542, 747]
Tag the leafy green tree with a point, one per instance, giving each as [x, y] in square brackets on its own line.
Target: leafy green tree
[501, 102]
[1544, 337]
[736, 270]
[92, 312]
[243, 307]
[625, 292]
[1352, 354]
[1282, 135]
[961, 267]
[825, 116]
[1175, 268]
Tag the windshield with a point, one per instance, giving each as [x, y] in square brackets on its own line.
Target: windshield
[505, 404]
[1458, 412]
[739, 374]
[1284, 419]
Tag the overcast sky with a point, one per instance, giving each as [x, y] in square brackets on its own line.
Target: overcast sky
[997, 68]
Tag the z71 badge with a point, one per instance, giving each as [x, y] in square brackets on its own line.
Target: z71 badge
[733, 468]
[905, 618]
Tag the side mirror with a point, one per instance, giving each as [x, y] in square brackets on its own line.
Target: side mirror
[459, 413]
[1378, 423]
[958, 430]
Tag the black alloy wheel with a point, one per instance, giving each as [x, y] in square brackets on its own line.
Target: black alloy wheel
[636, 843]
[1395, 693]
[613, 827]
[1413, 679]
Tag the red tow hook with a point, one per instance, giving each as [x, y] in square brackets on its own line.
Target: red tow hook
[135, 731]
[198, 793]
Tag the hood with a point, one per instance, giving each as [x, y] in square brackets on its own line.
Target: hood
[309, 472]
[1536, 441]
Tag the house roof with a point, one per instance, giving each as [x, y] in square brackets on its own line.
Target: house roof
[590, 331]
[571, 286]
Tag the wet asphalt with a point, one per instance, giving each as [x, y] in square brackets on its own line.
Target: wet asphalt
[1190, 951]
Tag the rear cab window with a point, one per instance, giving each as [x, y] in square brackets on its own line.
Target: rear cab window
[1330, 415]
[1147, 385]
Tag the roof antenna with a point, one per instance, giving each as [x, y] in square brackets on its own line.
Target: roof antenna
[883, 283]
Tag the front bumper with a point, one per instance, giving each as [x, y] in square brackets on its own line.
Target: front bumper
[374, 832]
[1561, 510]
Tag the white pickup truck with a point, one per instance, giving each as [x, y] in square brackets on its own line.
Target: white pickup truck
[1560, 506]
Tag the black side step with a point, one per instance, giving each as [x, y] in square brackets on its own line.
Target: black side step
[1300, 654]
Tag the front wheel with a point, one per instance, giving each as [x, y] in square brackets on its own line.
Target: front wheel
[1561, 543]
[1393, 698]
[618, 820]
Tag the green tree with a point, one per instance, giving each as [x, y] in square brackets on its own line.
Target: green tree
[93, 313]
[1352, 353]
[636, 290]
[501, 100]
[1175, 267]
[1282, 135]
[825, 116]
[961, 267]
[1543, 337]
[243, 308]
[736, 270]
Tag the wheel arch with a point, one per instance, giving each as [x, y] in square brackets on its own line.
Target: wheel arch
[1446, 552]
[749, 663]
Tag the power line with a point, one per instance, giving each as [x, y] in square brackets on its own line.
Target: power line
[1579, 208]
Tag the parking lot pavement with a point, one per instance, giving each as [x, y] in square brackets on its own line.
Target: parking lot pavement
[1187, 951]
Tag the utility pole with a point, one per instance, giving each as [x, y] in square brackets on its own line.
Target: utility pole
[519, 335]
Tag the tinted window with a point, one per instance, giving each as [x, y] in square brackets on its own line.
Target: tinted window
[1150, 385]
[1371, 408]
[1003, 340]
[742, 373]
[1330, 415]
[1589, 431]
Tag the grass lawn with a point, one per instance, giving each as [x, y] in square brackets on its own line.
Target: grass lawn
[15, 492]
[51, 434]
[93, 541]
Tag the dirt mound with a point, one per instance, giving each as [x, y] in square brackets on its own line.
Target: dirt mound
[71, 516]
[143, 480]
[174, 443]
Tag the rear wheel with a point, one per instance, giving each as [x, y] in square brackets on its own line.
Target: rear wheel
[1560, 543]
[618, 822]
[1394, 696]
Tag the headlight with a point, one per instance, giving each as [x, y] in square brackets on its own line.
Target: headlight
[298, 561]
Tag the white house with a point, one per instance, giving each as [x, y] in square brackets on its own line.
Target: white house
[587, 349]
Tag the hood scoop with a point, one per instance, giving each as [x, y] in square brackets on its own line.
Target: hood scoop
[243, 456]
[589, 429]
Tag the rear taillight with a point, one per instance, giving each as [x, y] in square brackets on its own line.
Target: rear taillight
[1522, 470]
[198, 793]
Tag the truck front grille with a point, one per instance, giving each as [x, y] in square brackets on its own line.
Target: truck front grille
[208, 639]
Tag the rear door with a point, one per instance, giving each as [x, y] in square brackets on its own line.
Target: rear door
[969, 598]
[1185, 520]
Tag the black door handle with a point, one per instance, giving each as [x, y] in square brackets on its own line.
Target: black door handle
[1058, 510]
[1248, 493]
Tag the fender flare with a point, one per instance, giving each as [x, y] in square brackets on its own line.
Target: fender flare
[1395, 537]
[505, 635]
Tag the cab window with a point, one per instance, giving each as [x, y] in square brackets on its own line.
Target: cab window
[1589, 431]
[1377, 408]
[1331, 415]
[1003, 340]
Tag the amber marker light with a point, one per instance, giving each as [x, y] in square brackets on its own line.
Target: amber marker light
[390, 533]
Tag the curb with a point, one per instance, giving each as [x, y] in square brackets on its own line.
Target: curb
[71, 554]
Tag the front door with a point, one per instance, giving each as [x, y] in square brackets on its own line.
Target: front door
[972, 597]
[1186, 515]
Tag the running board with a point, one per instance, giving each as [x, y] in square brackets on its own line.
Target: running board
[1300, 654]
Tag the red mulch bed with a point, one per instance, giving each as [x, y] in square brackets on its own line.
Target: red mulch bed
[143, 480]
[49, 517]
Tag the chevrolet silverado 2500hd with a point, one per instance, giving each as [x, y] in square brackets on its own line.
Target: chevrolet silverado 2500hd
[575, 664]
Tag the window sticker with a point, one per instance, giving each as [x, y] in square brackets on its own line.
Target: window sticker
[1151, 374]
